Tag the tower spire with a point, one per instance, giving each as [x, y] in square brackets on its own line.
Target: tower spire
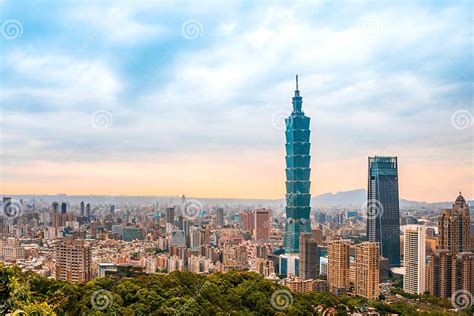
[297, 99]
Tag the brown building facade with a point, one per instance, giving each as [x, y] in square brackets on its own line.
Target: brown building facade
[73, 260]
[451, 267]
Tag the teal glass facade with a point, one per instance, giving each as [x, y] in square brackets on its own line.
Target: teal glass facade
[297, 175]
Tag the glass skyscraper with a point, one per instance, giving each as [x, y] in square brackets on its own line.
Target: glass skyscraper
[297, 175]
[383, 212]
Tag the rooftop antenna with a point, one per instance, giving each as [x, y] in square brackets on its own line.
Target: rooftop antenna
[296, 82]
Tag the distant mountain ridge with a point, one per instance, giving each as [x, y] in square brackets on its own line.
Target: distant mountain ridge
[356, 198]
[353, 197]
[348, 199]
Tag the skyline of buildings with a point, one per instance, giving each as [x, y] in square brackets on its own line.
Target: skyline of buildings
[152, 164]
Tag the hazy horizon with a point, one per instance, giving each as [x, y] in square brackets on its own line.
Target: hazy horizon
[178, 197]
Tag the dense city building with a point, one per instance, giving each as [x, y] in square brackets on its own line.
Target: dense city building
[338, 266]
[450, 267]
[309, 257]
[414, 257]
[73, 260]
[220, 217]
[367, 269]
[454, 226]
[63, 208]
[170, 215]
[262, 224]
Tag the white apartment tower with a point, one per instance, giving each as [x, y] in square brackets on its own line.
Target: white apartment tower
[414, 259]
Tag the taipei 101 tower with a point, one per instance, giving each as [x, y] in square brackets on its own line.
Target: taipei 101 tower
[297, 175]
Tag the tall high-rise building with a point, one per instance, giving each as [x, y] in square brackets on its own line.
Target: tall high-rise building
[451, 266]
[88, 210]
[170, 213]
[249, 221]
[463, 272]
[367, 269]
[63, 208]
[263, 224]
[440, 273]
[7, 206]
[309, 257]
[73, 260]
[195, 235]
[55, 207]
[297, 170]
[454, 226]
[220, 217]
[112, 209]
[414, 257]
[83, 209]
[338, 266]
[383, 213]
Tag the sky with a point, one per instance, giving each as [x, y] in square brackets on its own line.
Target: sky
[171, 98]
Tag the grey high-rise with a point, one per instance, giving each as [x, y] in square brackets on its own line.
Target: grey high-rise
[220, 217]
[309, 258]
[170, 213]
[383, 212]
[55, 207]
[63, 208]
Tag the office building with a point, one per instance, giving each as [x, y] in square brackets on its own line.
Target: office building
[63, 208]
[170, 215]
[297, 170]
[309, 257]
[289, 265]
[195, 235]
[88, 210]
[220, 217]
[83, 209]
[55, 207]
[249, 221]
[383, 213]
[263, 224]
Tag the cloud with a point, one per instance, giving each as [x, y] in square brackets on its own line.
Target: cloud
[114, 23]
[59, 81]
[374, 79]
